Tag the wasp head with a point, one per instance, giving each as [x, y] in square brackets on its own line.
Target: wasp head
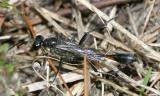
[37, 43]
[46, 43]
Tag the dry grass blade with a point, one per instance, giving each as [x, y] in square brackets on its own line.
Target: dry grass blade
[78, 18]
[51, 21]
[118, 87]
[112, 58]
[101, 4]
[125, 77]
[148, 16]
[149, 52]
[131, 19]
[60, 18]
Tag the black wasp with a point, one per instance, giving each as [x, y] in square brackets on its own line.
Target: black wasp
[74, 53]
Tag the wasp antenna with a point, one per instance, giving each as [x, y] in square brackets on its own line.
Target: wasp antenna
[19, 43]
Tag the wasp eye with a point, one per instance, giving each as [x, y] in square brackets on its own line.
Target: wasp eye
[37, 43]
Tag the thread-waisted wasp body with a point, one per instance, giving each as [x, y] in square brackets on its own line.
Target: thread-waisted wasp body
[73, 53]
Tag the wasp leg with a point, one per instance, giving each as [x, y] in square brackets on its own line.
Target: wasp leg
[85, 37]
[60, 64]
[86, 34]
[92, 65]
[59, 68]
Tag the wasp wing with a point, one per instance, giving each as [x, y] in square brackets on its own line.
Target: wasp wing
[77, 50]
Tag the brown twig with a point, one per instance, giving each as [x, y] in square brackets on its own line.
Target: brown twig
[55, 70]
[86, 91]
[1, 21]
[153, 54]
[27, 21]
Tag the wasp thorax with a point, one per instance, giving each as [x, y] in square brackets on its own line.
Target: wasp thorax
[50, 42]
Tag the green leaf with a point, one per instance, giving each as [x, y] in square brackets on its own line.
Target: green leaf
[10, 68]
[2, 62]
[4, 47]
[145, 81]
[5, 4]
